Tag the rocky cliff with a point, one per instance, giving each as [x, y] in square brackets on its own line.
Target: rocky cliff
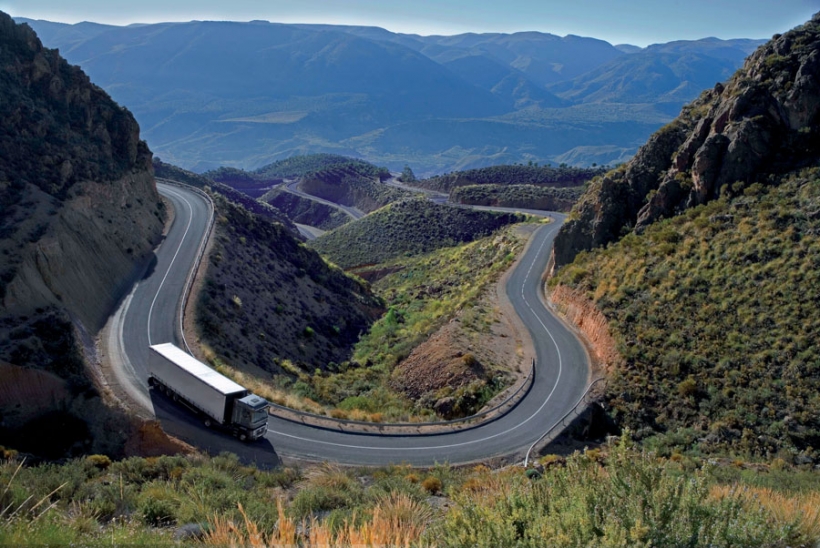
[79, 211]
[762, 122]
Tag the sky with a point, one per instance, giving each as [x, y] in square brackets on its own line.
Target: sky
[638, 22]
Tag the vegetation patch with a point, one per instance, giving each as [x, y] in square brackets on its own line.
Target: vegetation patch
[299, 166]
[422, 294]
[407, 228]
[514, 174]
[714, 312]
[613, 496]
[523, 196]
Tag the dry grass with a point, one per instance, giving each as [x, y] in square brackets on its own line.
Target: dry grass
[224, 532]
[264, 389]
[397, 520]
[330, 476]
[803, 510]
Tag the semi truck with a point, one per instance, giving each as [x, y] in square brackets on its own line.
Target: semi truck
[217, 399]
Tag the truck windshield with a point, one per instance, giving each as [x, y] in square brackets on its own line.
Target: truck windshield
[260, 415]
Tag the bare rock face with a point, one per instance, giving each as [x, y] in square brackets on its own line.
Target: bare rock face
[79, 210]
[764, 120]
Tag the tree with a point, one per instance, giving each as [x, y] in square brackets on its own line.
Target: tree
[407, 175]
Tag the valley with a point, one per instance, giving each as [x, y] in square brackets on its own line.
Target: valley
[458, 337]
[296, 439]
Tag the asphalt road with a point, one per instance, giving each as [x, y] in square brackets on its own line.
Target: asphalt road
[150, 315]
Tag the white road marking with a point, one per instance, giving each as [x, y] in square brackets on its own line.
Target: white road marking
[461, 444]
[173, 259]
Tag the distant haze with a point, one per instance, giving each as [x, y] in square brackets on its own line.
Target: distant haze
[639, 22]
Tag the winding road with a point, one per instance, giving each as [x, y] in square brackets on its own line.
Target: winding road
[150, 315]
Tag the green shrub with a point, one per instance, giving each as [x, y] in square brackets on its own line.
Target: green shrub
[311, 500]
[157, 512]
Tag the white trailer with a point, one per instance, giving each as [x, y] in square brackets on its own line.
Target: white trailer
[217, 398]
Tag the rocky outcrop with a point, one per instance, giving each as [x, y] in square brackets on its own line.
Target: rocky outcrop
[763, 121]
[79, 218]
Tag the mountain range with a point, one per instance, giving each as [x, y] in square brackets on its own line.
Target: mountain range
[209, 94]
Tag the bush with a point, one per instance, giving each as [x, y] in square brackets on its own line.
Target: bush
[432, 485]
[157, 512]
[98, 461]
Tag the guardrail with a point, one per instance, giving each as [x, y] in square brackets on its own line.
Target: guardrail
[189, 282]
[574, 413]
[512, 400]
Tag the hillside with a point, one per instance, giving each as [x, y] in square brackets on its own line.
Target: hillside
[707, 298]
[354, 184]
[80, 219]
[174, 173]
[762, 122]
[523, 196]
[301, 165]
[241, 180]
[441, 103]
[562, 176]
[305, 211]
[407, 227]
[267, 299]
[714, 316]
[257, 182]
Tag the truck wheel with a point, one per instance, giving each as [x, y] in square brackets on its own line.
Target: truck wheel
[207, 423]
[243, 437]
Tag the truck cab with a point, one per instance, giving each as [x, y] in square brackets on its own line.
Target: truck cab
[250, 416]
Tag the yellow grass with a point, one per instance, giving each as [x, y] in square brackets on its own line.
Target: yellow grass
[224, 532]
[267, 391]
[801, 509]
[397, 520]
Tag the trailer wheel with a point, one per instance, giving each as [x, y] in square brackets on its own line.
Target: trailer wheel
[207, 423]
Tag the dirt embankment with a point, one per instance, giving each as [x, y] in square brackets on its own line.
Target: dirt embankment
[581, 312]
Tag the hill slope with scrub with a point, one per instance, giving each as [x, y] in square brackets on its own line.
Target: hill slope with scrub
[407, 227]
[266, 299]
[709, 274]
[562, 176]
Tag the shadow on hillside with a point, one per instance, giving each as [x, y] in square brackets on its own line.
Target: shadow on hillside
[181, 423]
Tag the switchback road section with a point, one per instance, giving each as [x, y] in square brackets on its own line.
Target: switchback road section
[151, 314]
